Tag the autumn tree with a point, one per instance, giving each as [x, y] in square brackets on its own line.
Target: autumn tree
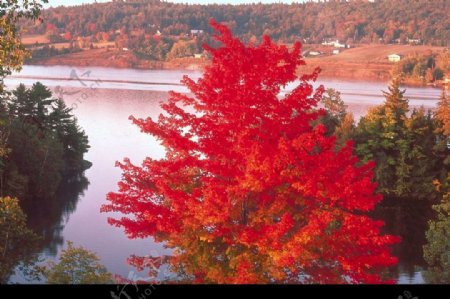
[182, 49]
[443, 114]
[18, 244]
[12, 52]
[249, 190]
[345, 130]
[335, 109]
[336, 119]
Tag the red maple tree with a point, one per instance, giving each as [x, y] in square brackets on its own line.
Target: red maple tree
[249, 191]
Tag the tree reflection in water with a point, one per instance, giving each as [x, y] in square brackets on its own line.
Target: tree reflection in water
[48, 218]
[409, 220]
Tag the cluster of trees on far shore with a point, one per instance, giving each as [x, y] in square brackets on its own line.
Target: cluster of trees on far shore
[385, 21]
[423, 68]
[157, 30]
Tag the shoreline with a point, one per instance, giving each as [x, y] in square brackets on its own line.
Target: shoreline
[364, 63]
[327, 72]
[375, 73]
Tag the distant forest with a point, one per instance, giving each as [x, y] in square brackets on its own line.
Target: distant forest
[381, 21]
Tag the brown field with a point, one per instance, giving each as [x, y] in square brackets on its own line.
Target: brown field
[32, 39]
[362, 63]
[367, 62]
[94, 57]
[104, 44]
[119, 59]
[60, 45]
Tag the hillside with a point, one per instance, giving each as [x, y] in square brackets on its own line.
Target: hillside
[385, 21]
[156, 34]
[368, 62]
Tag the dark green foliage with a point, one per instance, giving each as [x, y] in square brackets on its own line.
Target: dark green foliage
[422, 68]
[49, 51]
[437, 250]
[404, 147]
[45, 143]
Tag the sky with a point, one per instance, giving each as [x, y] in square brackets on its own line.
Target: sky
[78, 2]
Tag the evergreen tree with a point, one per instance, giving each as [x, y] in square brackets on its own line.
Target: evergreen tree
[404, 148]
[437, 250]
[443, 114]
[442, 134]
[424, 166]
[45, 143]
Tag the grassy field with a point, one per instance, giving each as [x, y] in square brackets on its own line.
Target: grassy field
[368, 62]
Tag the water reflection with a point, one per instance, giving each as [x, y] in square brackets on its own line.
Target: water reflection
[49, 218]
[409, 220]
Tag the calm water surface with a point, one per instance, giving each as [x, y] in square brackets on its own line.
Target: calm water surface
[103, 99]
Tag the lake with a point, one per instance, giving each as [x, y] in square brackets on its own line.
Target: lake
[103, 99]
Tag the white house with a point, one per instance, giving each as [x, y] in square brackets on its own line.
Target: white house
[394, 57]
[314, 53]
[195, 32]
[333, 43]
[337, 44]
[414, 41]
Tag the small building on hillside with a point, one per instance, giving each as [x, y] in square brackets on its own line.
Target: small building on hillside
[198, 55]
[414, 41]
[336, 51]
[196, 32]
[313, 53]
[394, 57]
[338, 44]
[333, 43]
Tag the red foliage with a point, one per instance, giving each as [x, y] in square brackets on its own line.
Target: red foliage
[249, 190]
[50, 28]
[92, 27]
[67, 35]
